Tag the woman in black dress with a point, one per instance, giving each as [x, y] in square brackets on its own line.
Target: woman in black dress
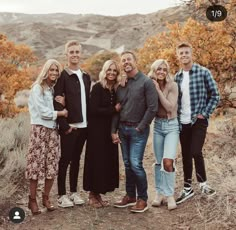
[101, 169]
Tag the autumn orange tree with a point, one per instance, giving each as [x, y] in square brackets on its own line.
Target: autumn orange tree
[14, 76]
[213, 46]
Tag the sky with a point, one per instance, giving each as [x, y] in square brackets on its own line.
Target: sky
[103, 7]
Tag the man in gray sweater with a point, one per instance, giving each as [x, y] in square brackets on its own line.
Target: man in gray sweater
[138, 102]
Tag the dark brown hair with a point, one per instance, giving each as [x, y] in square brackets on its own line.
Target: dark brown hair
[129, 52]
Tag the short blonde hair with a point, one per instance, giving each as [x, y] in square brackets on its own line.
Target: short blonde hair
[72, 43]
[102, 74]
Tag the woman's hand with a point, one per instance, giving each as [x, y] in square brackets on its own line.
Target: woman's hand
[65, 112]
[123, 81]
[115, 138]
[118, 107]
[156, 85]
[62, 113]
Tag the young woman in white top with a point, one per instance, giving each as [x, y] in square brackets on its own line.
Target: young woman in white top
[44, 147]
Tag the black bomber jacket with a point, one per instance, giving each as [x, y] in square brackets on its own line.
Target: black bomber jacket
[68, 84]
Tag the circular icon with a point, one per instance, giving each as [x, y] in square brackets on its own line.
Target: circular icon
[216, 13]
[17, 215]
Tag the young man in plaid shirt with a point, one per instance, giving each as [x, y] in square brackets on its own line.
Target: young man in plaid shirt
[198, 97]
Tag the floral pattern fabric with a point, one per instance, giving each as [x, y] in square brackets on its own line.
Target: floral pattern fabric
[44, 153]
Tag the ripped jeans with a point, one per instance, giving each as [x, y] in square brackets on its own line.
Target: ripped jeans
[165, 141]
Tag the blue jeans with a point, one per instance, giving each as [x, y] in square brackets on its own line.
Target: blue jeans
[133, 144]
[165, 141]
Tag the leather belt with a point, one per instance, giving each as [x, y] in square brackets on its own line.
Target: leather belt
[128, 123]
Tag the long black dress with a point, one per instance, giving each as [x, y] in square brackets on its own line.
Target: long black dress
[101, 168]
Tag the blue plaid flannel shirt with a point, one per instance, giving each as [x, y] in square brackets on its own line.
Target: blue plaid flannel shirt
[204, 94]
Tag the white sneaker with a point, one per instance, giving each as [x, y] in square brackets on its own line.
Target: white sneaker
[184, 195]
[206, 189]
[75, 197]
[64, 202]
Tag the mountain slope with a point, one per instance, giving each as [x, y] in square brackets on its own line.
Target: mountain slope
[46, 34]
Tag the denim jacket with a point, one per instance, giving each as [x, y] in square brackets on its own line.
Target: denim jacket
[41, 107]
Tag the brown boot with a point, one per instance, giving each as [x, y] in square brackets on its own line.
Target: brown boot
[33, 206]
[104, 203]
[93, 200]
[47, 203]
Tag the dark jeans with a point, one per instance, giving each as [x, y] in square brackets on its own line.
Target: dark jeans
[71, 149]
[133, 144]
[192, 139]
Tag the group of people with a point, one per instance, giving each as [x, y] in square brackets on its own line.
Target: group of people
[67, 110]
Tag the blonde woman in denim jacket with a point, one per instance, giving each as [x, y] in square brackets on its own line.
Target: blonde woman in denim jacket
[44, 149]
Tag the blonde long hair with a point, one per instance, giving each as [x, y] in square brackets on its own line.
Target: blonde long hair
[43, 75]
[102, 74]
[155, 66]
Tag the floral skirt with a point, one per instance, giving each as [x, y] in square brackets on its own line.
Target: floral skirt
[44, 153]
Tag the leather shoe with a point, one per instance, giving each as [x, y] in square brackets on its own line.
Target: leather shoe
[140, 206]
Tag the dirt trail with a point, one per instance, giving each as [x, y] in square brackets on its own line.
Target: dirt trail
[200, 212]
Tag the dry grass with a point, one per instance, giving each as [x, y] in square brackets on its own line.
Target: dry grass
[13, 147]
[21, 98]
[219, 211]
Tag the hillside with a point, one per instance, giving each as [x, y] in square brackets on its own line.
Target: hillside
[46, 34]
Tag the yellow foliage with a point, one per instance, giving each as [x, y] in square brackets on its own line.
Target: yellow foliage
[213, 44]
[14, 65]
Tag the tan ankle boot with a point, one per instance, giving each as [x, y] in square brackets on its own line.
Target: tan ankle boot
[93, 200]
[171, 204]
[158, 201]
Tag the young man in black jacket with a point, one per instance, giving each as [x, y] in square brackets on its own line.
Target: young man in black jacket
[74, 84]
